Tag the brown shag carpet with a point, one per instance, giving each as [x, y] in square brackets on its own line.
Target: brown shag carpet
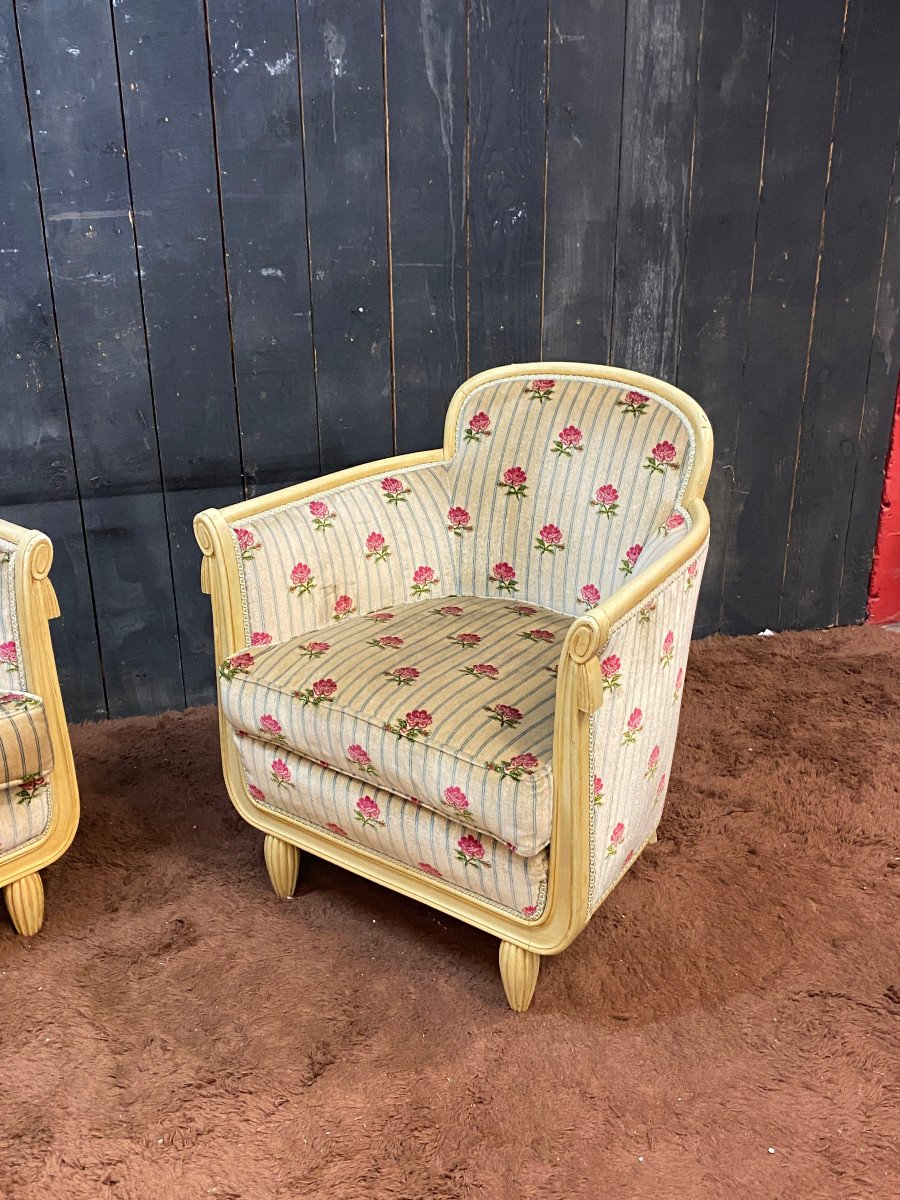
[726, 1027]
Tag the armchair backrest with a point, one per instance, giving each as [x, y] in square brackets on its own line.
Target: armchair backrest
[12, 669]
[569, 480]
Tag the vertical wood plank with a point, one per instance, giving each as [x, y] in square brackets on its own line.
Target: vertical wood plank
[344, 140]
[661, 48]
[731, 104]
[858, 195]
[253, 50]
[875, 427]
[426, 87]
[168, 126]
[507, 106]
[801, 104]
[38, 486]
[70, 68]
[587, 48]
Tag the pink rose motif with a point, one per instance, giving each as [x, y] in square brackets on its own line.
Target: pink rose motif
[321, 692]
[479, 427]
[238, 664]
[415, 724]
[692, 574]
[302, 579]
[589, 595]
[634, 402]
[394, 491]
[598, 791]
[504, 576]
[606, 500]
[523, 610]
[633, 727]
[358, 756]
[628, 857]
[9, 656]
[471, 851]
[323, 517]
[632, 554]
[456, 799]
[281, 772]
[401, 675]
[679, 680]
[527, 762]
[610, 669]
[652, 763]
[615, 838]
[376, 547]
[661, 787]
[460, 521]
[367, 812]
[529, 910]
[567, 440]
[646, 612]
[256, 792]
[324, 688]
[515, 767]
[668, 648]
[419, 718]
[672, 522]
[505, 714]
[335, 829]
[314, 649]
[464, 639]
[539, 635]
[260, 639]
[540, 389]
[482, 671]
[387, 641]
[514, 481]
[549, 540]
[423, 580]
[343, 607]
[430, 870]
[661, 456]
[269, 725]
[381, 616]
[449, 610]
[247, 543]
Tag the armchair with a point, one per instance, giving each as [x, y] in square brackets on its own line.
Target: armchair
[459, 672]
[38, 788]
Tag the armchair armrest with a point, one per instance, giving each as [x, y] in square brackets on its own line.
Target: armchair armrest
[353, 541]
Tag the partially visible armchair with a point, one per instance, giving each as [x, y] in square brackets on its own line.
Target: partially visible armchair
[38, 789]
[459, 672]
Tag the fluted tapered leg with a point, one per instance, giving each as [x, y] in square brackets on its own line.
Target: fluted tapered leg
[25, 902]
[282, 863]
[519, 971]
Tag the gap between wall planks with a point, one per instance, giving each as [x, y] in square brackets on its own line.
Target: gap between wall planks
[254, 241]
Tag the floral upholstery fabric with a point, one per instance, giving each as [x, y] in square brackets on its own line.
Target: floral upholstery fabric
[26, 757]
[634, 730]
[449, 702]
[393, 827]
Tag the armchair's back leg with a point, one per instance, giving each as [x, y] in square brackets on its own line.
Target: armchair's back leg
[25, 902]
[519, 971]
[282, 863]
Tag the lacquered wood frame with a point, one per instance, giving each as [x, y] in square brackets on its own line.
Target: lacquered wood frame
[36, 606]
[579, 693]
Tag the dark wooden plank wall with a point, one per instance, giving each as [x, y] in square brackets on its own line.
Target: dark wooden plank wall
[246, 242]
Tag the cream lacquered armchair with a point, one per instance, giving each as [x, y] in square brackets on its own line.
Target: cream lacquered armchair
[38, 789]
[459, 672]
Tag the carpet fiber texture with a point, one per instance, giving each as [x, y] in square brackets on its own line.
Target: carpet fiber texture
[726, 1027]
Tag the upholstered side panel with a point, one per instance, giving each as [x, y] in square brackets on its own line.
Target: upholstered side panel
[564, 482]
[353, 548]
[395, 828]
[26, 759]
[634, 731]
[12, 670]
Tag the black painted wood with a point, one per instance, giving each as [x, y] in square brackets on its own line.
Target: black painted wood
[266, 239]
[344, 123]
[507, 140]
[661, 47]
[254, 54]
[861, 170]
[798, 135]
[165, 91]
[426, 85]
[587, 50]
[731, 104]
[38, 485]
[73, 90]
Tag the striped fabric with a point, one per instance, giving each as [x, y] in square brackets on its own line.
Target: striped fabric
[449, 701]
[12, 674]
[634, 731]
[394, 827]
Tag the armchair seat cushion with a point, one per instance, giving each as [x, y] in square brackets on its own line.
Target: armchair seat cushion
[25, 751]
[449, 702]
